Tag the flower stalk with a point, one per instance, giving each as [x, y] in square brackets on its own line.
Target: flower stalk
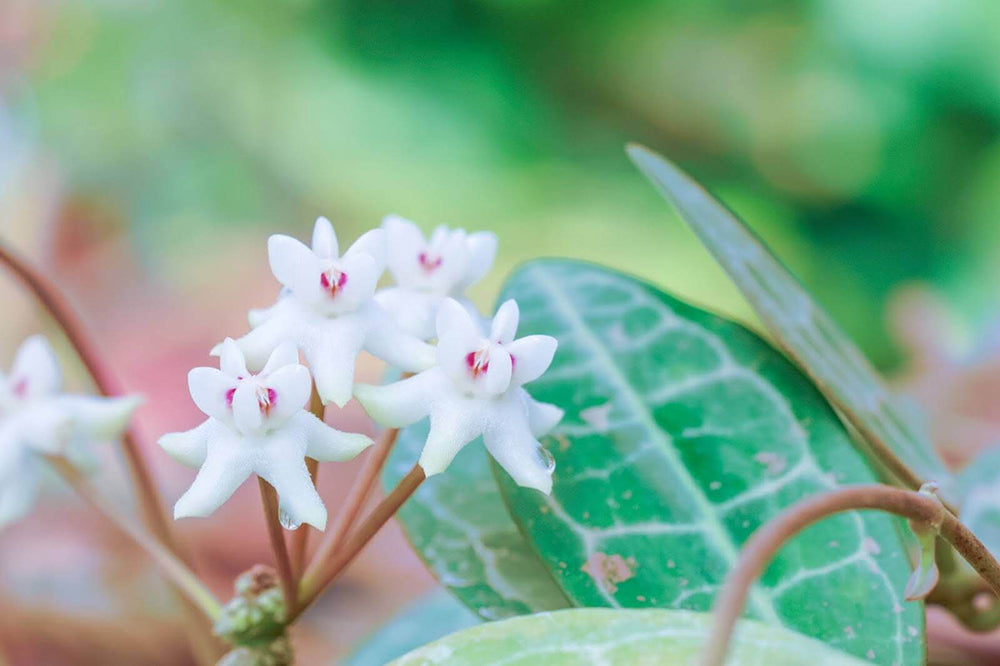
[766, 542]
[175, 569]
[314, 585]
[276, 533]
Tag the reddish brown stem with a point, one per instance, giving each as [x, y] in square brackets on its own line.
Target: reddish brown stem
[768, 540]
[351, 509]
[312, 587]
[283, 564]
[300, 540]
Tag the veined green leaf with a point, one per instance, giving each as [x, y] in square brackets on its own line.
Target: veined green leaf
[587, 636]
[800, 326]
[683, 434]
[430, 617]
[460, 527]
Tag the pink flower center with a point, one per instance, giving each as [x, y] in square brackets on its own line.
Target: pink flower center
[333, 281]
[427, 263]
[229, 396]
[21, 387]
[266, 399]
[478, 362]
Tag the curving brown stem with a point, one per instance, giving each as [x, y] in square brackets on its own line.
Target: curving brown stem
[300, 539]
[349, 512]
[313, 585]
[62, 312]
[175, 569]
[283, 564]
[768, 540]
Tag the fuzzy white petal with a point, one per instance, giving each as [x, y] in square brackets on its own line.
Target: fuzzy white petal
[285, 324]
[455, 322]
[497, 376]
[532, 356]
[284, 354]
[482, 249]
[505, 322]
[542, 416]
[37, 367]
[96, 417]
[231, 360]
[324, 239]
[373, 244]
[292, 386]
[297, 496]
[452, 427]
[401, 403]
[295, 266]
[413, 311]
[362, 277]
[393, 345]
[325, 443]
[208, 388]
[331, 351]
[404, 242]
[224, 471]
[190, 448]
[19, 490]
[246, 408]
[510, 442]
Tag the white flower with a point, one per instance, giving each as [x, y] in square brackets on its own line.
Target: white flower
[257, 425]
[326, 309]
[36, 420]
[428, 271]
[475, 389]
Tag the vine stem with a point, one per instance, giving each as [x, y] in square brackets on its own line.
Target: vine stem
[300, 539]
[172, 566]
[269, 498]
[768, 540]
[351, 509]
[62, 312]
[312, 586]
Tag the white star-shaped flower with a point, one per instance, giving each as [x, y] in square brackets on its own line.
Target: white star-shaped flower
[475, 389]
[429, 270]
[257, 424]
[326, 309]
[36, 420]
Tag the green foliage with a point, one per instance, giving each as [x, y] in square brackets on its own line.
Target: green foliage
[619, 638]
[801, 327]
[683, 434]
[458, 524]
[432, 616]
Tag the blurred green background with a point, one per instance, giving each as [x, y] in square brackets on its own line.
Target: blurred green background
[859, 137]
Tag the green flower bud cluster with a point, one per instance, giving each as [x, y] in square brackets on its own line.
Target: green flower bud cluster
[254, 622]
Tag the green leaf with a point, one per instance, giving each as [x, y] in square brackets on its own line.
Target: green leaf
[588, 636]
[459, 526]
[801, 327]
[980, 499]
[430, 617]
[683, 434]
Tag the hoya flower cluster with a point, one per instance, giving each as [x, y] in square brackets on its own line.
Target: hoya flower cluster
[37, 420]
[330, 310]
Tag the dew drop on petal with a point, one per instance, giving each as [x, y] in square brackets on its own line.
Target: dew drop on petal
[547, 459]
[286, 521]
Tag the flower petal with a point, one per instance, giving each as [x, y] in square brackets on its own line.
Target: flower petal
[532, 356]
[413, 311]
[509, 440]
[292, 386]
[37, 367]
[452, 427]
[231, 360]
[542, 417]
[393, 345]
[505, 322]
[325, 443]
[208, 388]
[324, 239]
[297, 496]
[225, 470]
[331, 351]
[362, 273]
[404, 242]
[19, 486]
[246, 408]
[404, 402]
[189, 448]
[284, 354]
[455, 322]
[372, 243]
[284, 325]
[295, 266]
[498, 374]
[99, 418]
[482, 249]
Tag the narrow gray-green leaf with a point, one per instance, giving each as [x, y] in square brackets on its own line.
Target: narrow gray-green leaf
[430, 617]
[460, 527]
[798, 323]
[683, 434]
[588, 636]
[979, 485]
